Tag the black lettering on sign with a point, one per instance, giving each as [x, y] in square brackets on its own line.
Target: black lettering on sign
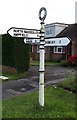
[16, 30]
[59, 41]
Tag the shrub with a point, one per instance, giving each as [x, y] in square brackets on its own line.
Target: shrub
[21, 55]
[15, 53]
[72, 60]
[64, 63]
[7, 50]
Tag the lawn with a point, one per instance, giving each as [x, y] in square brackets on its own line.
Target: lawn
[46, 63]
[0, 109]
[70, 83]
[14, 76]
[59, 103]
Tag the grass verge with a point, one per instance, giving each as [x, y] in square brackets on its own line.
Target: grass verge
[14, 76]
[34, 63]
[70, 83]
[59, 103]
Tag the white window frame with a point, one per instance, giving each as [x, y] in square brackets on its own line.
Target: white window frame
[56, 49]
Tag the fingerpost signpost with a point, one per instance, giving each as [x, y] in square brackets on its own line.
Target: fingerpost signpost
[42, 51]
[35, 34]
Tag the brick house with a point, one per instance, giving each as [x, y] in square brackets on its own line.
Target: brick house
[55, 34]
[71, 33]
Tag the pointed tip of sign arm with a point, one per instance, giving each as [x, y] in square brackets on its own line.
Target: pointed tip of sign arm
[10, 29]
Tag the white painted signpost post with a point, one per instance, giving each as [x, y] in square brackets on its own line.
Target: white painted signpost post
[42, 51]
[35, 34]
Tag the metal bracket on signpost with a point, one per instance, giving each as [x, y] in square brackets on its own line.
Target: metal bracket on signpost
[42, 51]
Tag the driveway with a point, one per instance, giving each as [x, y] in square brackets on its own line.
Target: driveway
[53, 75]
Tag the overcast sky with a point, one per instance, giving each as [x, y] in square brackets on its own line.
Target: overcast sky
[24, 13]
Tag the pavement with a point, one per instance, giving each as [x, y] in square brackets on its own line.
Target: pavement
[53, 75]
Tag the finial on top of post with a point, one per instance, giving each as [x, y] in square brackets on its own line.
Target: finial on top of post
[42, 18]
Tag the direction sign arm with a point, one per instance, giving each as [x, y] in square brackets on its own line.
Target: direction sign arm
[23, 32]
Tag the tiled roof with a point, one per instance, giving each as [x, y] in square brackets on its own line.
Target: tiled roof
[57, 23]
[70, 31]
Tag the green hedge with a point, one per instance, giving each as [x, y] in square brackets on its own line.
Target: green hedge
[15, 53]
[0, 49]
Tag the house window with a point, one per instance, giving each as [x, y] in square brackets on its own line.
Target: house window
[60, 50]
[48, 31]
[57, 49]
